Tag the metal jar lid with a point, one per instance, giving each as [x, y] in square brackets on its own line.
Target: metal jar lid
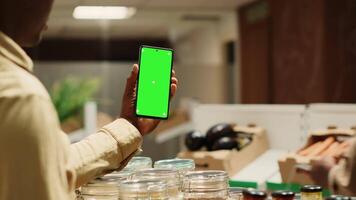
[254, 193]
[311, 188]
[282, 193]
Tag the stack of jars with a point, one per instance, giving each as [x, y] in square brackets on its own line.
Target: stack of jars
[139, 181]
[175, 179]
[107, 187]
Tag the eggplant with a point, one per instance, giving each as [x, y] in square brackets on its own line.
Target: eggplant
[218, 131]
[195, 140]
[225, 143]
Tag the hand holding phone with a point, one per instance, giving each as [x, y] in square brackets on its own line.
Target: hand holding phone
[128, 108]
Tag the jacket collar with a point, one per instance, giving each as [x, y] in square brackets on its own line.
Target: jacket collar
[13, 52]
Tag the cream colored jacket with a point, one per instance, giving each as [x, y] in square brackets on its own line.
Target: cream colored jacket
[37, 161]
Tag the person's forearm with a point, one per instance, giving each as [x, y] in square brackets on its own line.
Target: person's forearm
[104, 151]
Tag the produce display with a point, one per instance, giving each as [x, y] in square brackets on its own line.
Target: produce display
[225, 143]
[195, 140]
[331, 142]
[217, 132]
[332, 146]
[218, 137]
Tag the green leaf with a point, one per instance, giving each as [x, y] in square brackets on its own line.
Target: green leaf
[70, 94]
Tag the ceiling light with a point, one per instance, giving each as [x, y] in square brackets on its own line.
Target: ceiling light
[103, 12]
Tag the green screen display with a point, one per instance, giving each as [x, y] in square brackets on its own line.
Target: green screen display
[154, 80]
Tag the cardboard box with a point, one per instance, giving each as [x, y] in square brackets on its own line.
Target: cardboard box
[289, 163]
[231, 161]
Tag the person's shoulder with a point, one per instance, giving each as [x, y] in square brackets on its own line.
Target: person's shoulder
[17, 82]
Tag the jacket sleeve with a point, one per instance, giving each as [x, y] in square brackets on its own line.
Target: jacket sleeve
[342, 178]
[108, 149]
[38, 163]
[32, 158]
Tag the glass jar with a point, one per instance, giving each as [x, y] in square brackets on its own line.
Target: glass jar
[169, 176]
[252, 194]
[103, 188]
[143, 190]
[181, 165]
[311, 192]
[297, 196]
[126, 174]
[282, 195]
[209, 185]
[338, 197]
[138, 163]
[235, 193]
[135, 164]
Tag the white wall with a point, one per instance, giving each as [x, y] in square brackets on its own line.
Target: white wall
[201, 60]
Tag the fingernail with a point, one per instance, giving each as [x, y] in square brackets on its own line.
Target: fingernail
[135, 68]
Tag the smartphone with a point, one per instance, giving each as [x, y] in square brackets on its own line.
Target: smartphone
[154, 82]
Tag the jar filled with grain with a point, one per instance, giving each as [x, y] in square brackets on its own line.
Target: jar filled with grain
[169, 176]
[104, 188]
[181, 165]
[205, 185]
[143, 190]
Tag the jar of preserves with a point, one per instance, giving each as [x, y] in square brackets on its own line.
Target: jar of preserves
[205, 185]
[311, 192]
[104, 188]
[252, 194]
[169, 176]
[283, 195]
[143, 190]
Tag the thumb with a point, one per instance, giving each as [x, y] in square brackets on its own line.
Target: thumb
[131, 81]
